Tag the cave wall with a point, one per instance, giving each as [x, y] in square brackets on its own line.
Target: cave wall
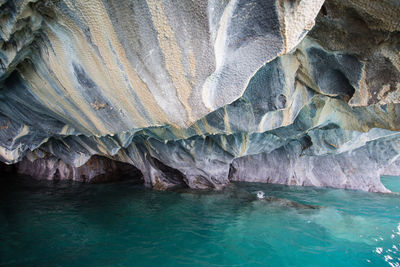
[201, 93]
[96, 170]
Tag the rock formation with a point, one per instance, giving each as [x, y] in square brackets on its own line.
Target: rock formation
[201, 93]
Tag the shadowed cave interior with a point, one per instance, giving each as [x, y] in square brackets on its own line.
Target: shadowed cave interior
[98, 169]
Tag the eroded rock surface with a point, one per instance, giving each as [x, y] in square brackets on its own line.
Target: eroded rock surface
[96, 170]
[199, 93]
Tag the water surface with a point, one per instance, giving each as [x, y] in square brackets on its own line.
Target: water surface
[391, 182]
[124, 224]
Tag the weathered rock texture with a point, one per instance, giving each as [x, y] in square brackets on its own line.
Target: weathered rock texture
[96, 169]
[199, 93]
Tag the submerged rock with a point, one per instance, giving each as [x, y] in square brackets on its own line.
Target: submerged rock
[201, 93]
[289, 203]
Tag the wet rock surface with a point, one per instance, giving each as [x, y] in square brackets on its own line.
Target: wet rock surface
[201, 93]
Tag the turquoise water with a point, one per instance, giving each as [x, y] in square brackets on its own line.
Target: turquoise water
[391, 182]
[124, 224]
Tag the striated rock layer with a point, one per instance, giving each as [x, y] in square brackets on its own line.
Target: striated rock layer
[201, 93]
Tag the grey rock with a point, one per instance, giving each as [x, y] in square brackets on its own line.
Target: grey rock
[201, 93]
[95, 170]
